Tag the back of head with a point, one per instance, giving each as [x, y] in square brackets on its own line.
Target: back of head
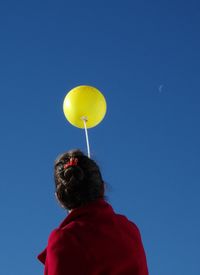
[79, 182]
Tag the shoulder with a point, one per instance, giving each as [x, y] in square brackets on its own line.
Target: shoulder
[57, 240]
[65, 238]
[60, 236]
[124, 220]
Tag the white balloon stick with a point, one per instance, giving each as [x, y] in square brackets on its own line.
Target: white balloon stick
[86, 135]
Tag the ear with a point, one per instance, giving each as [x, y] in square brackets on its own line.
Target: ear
[56, 196]
[58, 200]
[103, 188]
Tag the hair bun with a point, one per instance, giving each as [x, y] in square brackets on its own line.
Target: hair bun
[73, 174]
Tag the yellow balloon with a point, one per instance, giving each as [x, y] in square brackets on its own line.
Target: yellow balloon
[84, 102]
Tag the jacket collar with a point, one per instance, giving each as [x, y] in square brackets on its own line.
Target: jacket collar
[91, 208]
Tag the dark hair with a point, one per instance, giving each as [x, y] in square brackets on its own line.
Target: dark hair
[79, 184]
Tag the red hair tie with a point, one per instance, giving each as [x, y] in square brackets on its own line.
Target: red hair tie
[71, 162]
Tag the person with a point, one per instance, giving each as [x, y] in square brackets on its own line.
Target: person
[92, 239]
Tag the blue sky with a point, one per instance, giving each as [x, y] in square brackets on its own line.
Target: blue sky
[144, 56]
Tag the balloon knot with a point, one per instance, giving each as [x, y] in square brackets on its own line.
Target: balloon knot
[84, 118]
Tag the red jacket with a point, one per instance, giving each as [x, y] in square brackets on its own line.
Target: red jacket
[94, 240]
